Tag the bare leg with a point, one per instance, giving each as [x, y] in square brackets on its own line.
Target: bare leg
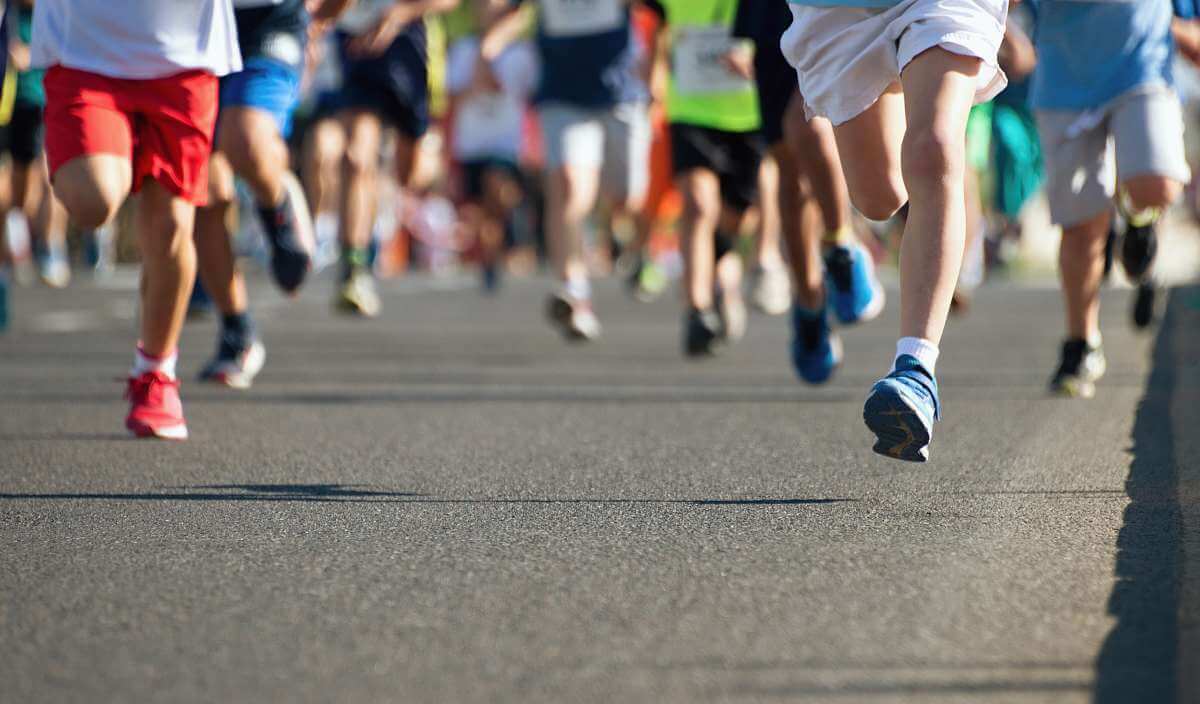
[218, 267]
[322, 153]
[571, 193]
[767, 252]
[697, 229]
[1081, 264]
[939, 88]
[164, 224]
[360, 167]
[870, 146]
[816, 154]
[801, 235]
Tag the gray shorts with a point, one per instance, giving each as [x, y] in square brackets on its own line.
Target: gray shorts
[614, 140]
[1089, 153]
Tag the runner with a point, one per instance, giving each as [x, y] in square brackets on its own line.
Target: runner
[131, 103]
[255, 118]
[486, 139]
[1111, 127]
[593, 107]
[897, 79]
[385, 84]
[825, 257]
[717, 150]
[21, 138]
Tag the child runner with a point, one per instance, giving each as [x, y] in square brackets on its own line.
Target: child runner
[810, 177]
[385, 72]
[717, 150]
[131, 103]
[487, 136]
[1111, 127]
[897, 79]
[255, 118]
[592, 102]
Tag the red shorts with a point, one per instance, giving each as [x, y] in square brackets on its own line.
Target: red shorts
[164, 126]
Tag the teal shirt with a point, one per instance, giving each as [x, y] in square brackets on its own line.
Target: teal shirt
[29, 83]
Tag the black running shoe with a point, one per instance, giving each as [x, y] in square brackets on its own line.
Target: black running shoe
[701, 333]
[1081, 365]
[1143, 305]
[291, 253]
[1138, 250]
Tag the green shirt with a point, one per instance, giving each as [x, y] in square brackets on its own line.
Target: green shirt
[702, 91]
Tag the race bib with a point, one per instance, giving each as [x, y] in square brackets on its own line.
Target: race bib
[697, 63]
[570, 18]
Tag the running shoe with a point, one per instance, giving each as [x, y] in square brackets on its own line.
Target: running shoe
[288, 234]
[732, 312]
[901, 410]
[53, 268]
[1078, 370]
[236, 363]
[490, 278]
[1143, 305]
[816, 350]
[357, 294]
[647, 280]
[155, 410]
[855, 293]
[771, 289]
[574, 318]
[1138, 249]
[702, 333]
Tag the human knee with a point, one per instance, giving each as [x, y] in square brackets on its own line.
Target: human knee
[90, 198]
[932, 155]
[701, 200]
[879, 200]
[1144, 192]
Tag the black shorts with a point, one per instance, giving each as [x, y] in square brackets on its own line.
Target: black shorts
[777, 83]
[734, 157]
[22, 136]
[393, 85]
[475, 170]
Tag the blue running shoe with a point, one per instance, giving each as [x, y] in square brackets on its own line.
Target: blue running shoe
[855, 293]
[901, 410]
[816, 350]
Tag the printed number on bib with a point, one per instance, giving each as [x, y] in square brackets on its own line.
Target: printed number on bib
[570, 18]
[698, 64]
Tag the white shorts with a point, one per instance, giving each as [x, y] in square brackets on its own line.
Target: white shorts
[846, 57]
[1088, 153]
[615, 140]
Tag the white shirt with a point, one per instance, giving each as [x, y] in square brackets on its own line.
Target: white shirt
[137, 39]
[491, 125]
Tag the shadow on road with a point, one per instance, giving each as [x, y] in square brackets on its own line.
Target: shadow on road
[355, 493]
[1137, 662]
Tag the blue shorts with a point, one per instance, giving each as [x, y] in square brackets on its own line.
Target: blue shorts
[264, 84]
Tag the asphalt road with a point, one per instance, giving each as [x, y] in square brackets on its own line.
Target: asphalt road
[450, 504]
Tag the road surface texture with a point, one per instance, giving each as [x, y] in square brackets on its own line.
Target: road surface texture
[450, 504]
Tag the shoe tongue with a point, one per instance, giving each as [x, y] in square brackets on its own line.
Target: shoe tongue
[909, 363]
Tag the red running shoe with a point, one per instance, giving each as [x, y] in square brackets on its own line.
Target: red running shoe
[155, 410]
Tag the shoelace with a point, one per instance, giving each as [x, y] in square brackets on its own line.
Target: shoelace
[143, 386]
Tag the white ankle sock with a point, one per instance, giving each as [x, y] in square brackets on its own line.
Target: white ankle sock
[143, 363]
[923, 350]
[579, 289]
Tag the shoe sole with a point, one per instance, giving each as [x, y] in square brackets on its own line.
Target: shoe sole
[356, 308]
[1074, 388]
[900, 432]
[146, 432]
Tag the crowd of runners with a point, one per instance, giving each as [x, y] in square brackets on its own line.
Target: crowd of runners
[737, 138]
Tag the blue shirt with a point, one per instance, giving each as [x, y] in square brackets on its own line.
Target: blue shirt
[1091, 51]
